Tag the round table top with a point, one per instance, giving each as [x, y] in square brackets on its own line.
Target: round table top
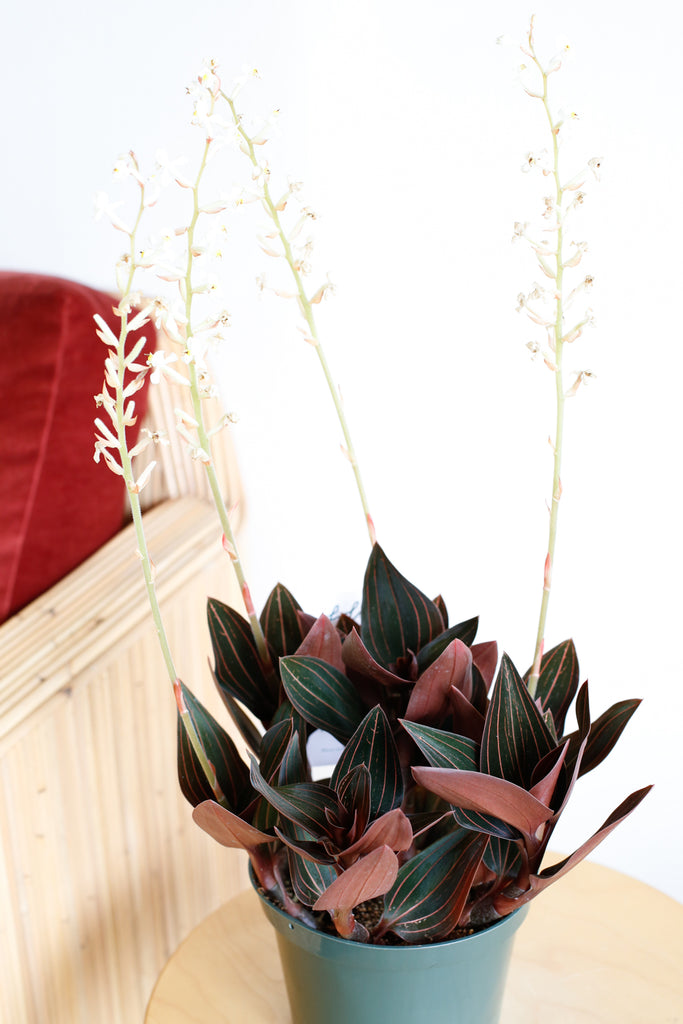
[598, 947]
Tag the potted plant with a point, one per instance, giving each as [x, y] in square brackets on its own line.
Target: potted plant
[412, 859]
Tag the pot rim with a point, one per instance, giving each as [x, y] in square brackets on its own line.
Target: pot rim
[287, 925]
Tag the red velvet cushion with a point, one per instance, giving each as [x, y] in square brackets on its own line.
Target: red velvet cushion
[57, 506]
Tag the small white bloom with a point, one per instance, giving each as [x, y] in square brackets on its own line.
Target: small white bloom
[169, 170]
[538, 160]
[127, 166]
[160, 363]
[520, 230]
[105, 208]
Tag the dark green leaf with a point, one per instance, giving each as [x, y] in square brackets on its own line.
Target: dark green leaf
[322, 695]
[503, 857]
[373, 745]
[515, 736]
[273, 748]
[479, 700]
[558, 681]
[430, 891]
[537, 883]
[238, 669]
[293, 767]
[465, 631]
[604, 733]
[245, 725]
[486, 823]
[310, 849]
[231, 771]
[281, 624]
[441, 605]
[444, 749]
[353, 790]
[308, 878]
[345, 623]
[396, 617]
[304, 804]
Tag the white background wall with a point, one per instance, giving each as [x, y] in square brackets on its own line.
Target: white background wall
[407, 126]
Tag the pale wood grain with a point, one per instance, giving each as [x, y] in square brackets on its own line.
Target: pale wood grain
[597, 948]
[102, 871]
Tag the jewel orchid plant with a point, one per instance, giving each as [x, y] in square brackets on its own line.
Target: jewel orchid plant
[453, 768]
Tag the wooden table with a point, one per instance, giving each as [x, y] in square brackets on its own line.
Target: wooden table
[597, 948]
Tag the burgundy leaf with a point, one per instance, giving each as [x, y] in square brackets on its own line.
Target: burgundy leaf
[505, 904]
[371, 876]
[357, 658]
[486, 794]
[485, 657]
[393, 829]
[544, 789]
[466, 719]
[323, 641]
[429, 699]
[227, 828]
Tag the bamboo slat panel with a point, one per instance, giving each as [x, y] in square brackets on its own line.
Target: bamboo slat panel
[102, 871]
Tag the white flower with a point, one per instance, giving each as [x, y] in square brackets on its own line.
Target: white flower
[127, 166]
[105, 208]
[595, 165]
[160, 363]
[539, 159]
[169, 170]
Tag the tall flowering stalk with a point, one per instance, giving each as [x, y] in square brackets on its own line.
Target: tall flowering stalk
[554, 260]
[184, 256]
[298, 267]
[117, 402]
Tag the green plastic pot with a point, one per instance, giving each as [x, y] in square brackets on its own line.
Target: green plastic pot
[332, 981]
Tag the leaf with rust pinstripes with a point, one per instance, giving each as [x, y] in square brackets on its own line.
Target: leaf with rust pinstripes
[430, 892]
[558, 681]
[231, 771]
[238, 669]
[373, 746]
[515, 736]
[604, 733]
[280, 622]
[396, 617]
[323, 695]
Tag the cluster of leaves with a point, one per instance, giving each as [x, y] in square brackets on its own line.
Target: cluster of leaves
[451, 778]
